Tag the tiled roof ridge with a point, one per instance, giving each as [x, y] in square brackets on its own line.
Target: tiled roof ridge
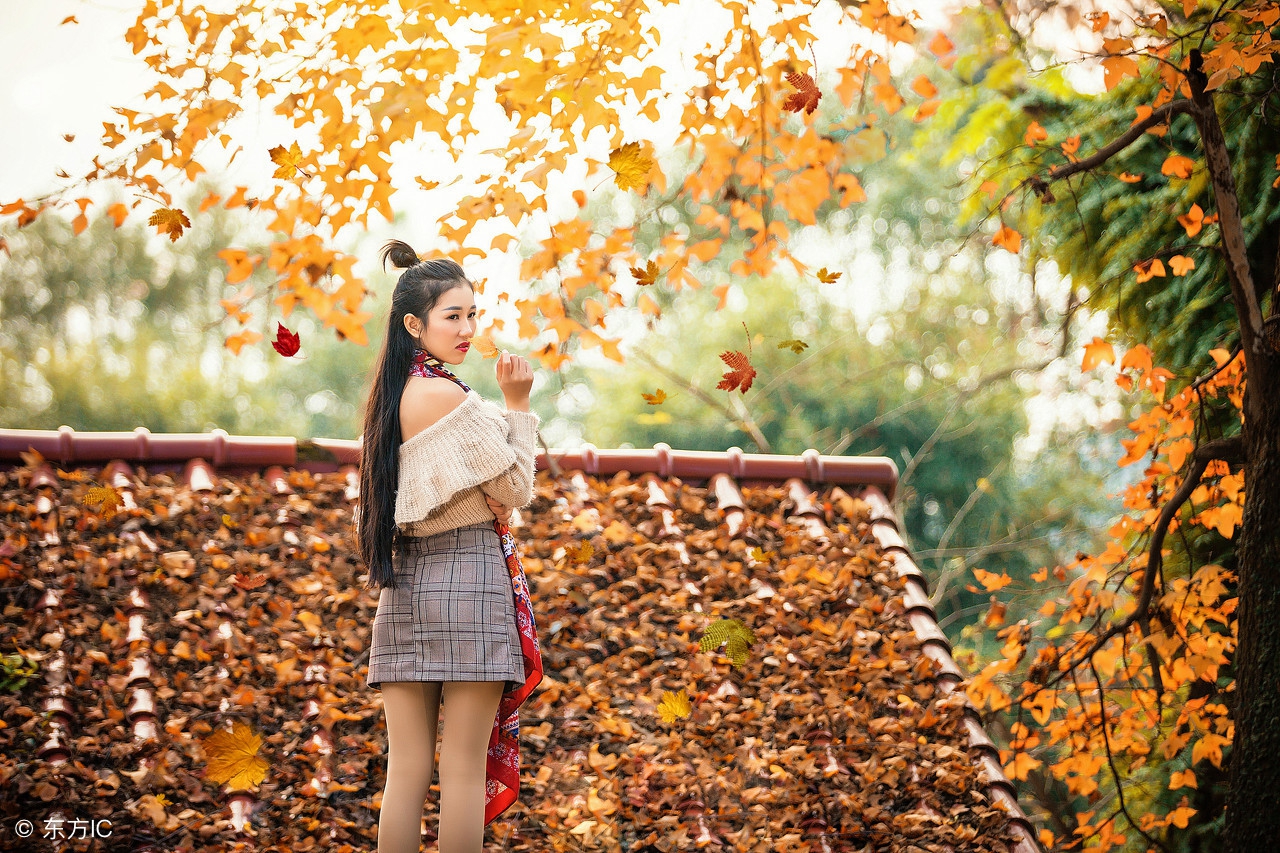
[222, 450]
[665, 462]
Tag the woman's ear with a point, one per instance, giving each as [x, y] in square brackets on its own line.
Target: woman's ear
[413, 326]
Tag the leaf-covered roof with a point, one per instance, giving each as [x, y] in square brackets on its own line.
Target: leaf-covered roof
[186, 610]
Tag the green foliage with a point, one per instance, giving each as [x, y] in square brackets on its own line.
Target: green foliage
[16, 671]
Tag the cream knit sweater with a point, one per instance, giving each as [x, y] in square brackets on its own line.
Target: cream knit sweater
[446, 470]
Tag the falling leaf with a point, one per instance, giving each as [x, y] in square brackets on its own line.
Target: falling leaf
[287, 159]
[105, 498]
[1096, 352]
[1178, 166]
[233, 757]
[1181, 264]
[239, 339]
[645, 275]
[70, 19]
[740, 373]
[674, 706]
[657, 397]
[1034, 133]
[426, 185]
[827, 277]
[1008, 239]
[805, 97]
[286, 342]
[631, 166]
[794, 344]
[171, 221]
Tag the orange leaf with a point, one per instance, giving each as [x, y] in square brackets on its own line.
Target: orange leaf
[805, 97]
[233, 757]
[239, 339]
[924, 87]
[1096, 352]
[740, 373]
[1008, 239]
[656, 398]
[169, 221]
[1181, 264]
[940, 45]
[645, 275]
[827, 277]
[288, 160]
[1116, 68]
[1193, 220]
[1129, 179]
[1178, 166]
[1034, 133]
[1148, 270]
[1021, 765]
[118, 212]
[1071, 145]
[631, 167]
[992, 581]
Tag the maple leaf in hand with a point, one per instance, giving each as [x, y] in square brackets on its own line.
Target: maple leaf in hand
[805, 97]
[288, 159]
[233, 757]
[631, 166]
[105, 498]
[740, 372]
[655, 398]
[646, 274]
[674, 706]
[171, 221]
[286, 342]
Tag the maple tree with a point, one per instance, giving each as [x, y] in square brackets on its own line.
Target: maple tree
[1141, 688]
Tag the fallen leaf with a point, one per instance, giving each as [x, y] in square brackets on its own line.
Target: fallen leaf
[287, 159]
[805, 97]
[286, 342]
[740, 373]
[631, 166]
[171, 221]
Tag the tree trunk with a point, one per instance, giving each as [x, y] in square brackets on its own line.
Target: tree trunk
[1253, 794]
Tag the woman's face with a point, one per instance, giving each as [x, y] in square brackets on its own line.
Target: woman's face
[451, 324]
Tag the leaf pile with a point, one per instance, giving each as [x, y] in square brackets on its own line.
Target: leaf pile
[829, 733]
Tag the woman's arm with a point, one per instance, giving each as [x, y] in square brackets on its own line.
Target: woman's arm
[514, 487]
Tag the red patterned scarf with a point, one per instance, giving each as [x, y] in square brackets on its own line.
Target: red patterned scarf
[502, 769]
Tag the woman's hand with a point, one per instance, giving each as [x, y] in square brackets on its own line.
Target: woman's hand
[501, 511]
[515, 378]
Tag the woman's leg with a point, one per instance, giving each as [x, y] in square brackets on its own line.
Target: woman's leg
[469, 711]
[413, 714]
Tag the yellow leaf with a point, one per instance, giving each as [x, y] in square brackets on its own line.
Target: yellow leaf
[631, 166]
[674, 706]
[169, 221]
[105, 498]
[827, 277]
[1182, 779]
[1096, 352]
[645, 275]
[794, 344]
[1178, 166]
[233, 757]
[288, 160]
[1008, 239]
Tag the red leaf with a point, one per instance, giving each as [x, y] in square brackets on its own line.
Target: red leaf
[286, 342]
[805, 97]
[740, 372]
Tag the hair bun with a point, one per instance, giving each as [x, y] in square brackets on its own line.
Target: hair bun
[400, 253]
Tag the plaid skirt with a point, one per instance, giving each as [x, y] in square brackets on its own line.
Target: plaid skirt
[452, 616]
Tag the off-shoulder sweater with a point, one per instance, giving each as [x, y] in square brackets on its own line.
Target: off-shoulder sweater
[446, 470]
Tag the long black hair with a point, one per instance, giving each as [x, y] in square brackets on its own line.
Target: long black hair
[419, 288]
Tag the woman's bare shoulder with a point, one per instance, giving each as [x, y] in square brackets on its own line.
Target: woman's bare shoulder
[425, 401]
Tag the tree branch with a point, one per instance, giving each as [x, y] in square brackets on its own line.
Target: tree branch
[1121, 142]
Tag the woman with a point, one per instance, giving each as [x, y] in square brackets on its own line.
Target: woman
[441, 469]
